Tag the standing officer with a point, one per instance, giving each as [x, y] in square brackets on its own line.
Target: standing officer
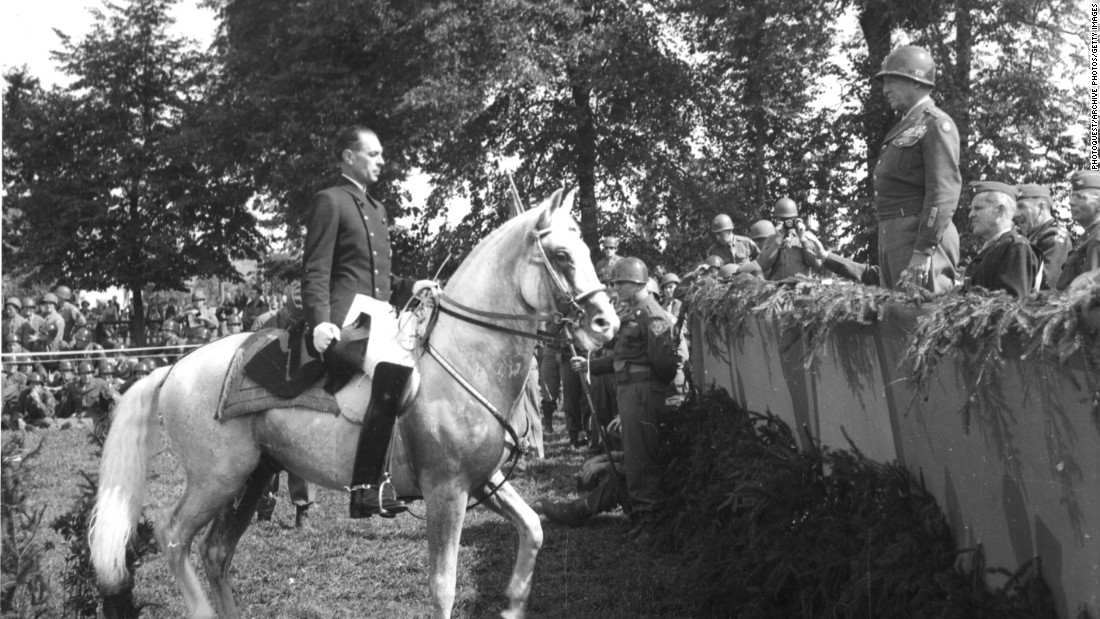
[730, 247]
[1084, 207]
[644, 363]
[70, 313]
[609, 246]
[1034, 221]
[917, 181]
[12, 321]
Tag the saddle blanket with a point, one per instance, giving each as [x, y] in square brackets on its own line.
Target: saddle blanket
[242, 395]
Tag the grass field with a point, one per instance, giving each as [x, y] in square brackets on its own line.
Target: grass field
[377, 567]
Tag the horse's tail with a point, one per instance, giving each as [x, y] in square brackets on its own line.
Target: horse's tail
[122, 472]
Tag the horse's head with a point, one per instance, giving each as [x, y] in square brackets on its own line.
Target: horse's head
[567, 281]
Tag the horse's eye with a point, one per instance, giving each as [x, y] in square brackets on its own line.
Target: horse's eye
[562, 256]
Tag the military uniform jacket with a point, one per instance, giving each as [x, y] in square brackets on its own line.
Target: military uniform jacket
[96, 396]
[1009, 263]
[918, 173]
[1085, 256]
[347, 252]
[604, 266]
[645, 338]
[1053, 241]
[740, 250]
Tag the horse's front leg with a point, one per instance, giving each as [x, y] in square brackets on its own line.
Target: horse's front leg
[508, 503]
[446, 512]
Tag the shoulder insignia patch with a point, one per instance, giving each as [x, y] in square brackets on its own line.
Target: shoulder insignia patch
[658, 327]
[945, 126]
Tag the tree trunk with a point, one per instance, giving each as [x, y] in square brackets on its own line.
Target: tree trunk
[137, 317]
[877, 24]
[585, 160]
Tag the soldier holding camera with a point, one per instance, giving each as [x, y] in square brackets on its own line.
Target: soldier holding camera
[783, 254]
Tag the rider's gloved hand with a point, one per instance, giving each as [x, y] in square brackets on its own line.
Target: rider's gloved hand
[324, 335]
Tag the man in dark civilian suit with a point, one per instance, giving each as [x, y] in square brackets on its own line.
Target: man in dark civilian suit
[1006, 261]
[347, 252]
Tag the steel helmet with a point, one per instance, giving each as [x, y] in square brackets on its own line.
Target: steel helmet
[670, 278]
[610, 241]
[49, 297]
[65, 366]
[630, 270]
[82, 335]
[171, 326]
[198, 295]
[84, 368]
[29, 302]
[728, 270]
[721, 223]
[910, 62]
[233, 319]
[11, 338]
[64, 292]
[714, 262]
[143, 368]
[200, 334]
[34, 377]
[652, 287]
[762, 229]
[784, 208]
[13, 301]
[106, 368]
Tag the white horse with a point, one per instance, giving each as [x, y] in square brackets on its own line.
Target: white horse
[452, 437]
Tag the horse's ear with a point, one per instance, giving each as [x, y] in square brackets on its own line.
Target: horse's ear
[552, 204]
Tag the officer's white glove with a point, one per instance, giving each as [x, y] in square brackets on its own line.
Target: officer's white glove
[425, 284]
[324, 335]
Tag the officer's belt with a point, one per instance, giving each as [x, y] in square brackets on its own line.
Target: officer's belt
[892, 208]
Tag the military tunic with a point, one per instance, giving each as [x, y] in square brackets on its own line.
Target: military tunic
[1053, 241]
[917, 185]
[1009, 263]
[645, 363]
[1085, 256]
[739, 251]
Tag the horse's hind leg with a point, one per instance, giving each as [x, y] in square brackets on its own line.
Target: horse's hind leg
[508, 503]
[201, 501]
[220, 541]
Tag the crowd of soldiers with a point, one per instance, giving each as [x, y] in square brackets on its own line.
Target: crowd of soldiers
[66, 366]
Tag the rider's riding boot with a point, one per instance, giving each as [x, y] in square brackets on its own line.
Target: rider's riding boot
[374, 440]
[548, 408]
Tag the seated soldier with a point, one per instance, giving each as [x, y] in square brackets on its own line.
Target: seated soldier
[87, 397]
[1006, 261]
[604, 475]
[36, 403]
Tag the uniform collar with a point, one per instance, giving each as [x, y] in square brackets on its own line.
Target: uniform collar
[362, 188]
[910, 117]
[1007, 234]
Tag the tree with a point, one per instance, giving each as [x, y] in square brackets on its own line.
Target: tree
[113, 182]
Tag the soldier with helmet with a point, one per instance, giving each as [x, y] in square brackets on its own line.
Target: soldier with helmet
[669, 302]
[1084, 207]
[916, 181]
[1034, 220]
[36, 403]
[730, 247]
[644, 363]
[87, 397]
[783, 254]
[66, 373]
[70, 313]
[29, 332]
[52, 330]
[609, 247]
[83, 341]
[140, 371]
[200, 316]
[11, 344]
[12, 321]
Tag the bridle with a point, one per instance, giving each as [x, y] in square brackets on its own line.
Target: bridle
[564, 299]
